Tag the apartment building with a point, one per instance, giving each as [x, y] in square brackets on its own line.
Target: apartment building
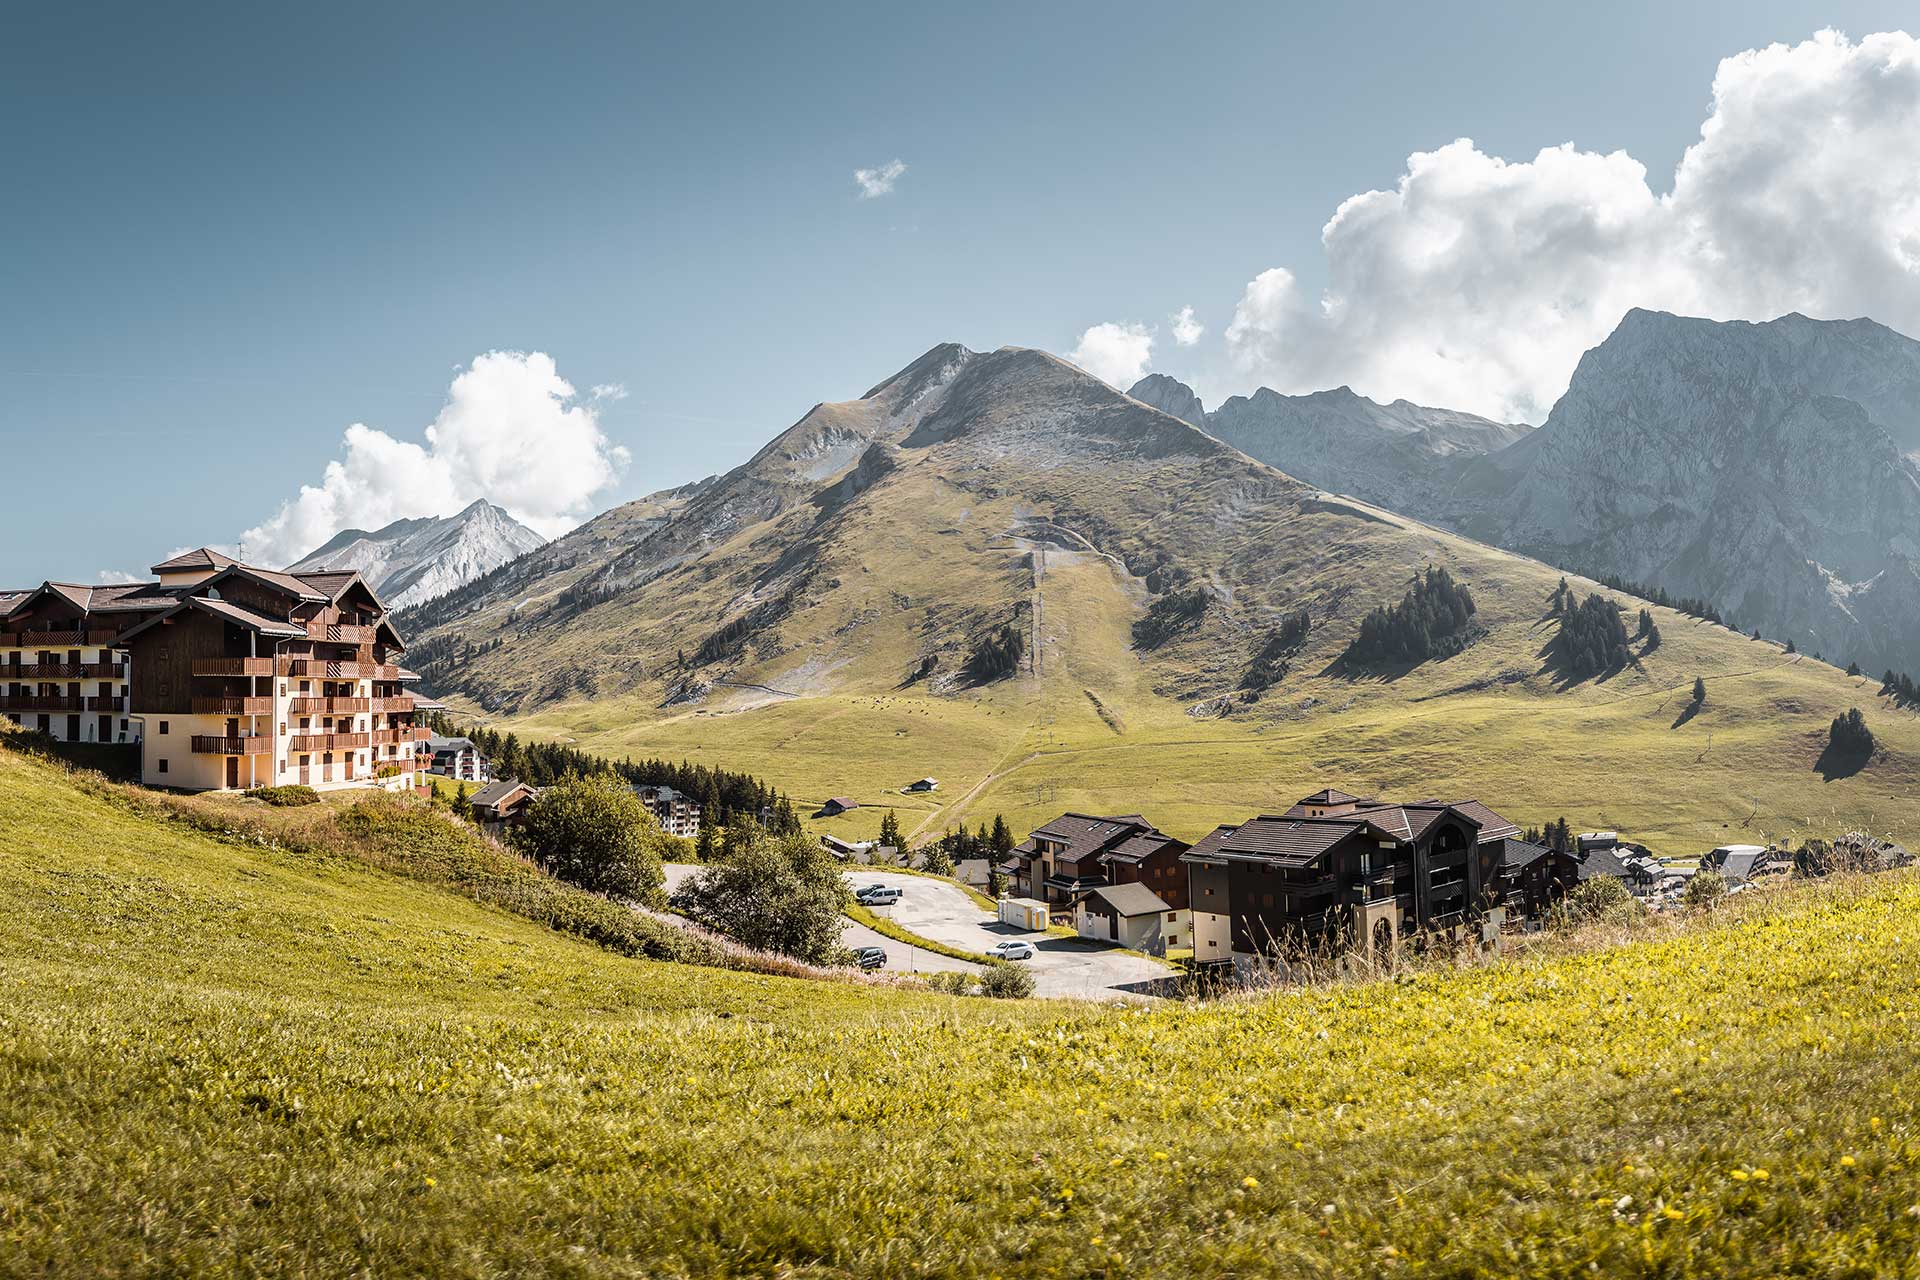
[1337, 873]
[62, 669]
[243, 677]
[678, 812]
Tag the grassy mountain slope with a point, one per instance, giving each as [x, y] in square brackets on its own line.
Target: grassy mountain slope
[219, 1058]
[977, 491]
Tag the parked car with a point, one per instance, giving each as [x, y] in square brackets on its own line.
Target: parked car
[869, 958]
[1012, 949]
[878, 895]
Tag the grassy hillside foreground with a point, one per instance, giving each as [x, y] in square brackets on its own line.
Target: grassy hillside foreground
[221, 1058]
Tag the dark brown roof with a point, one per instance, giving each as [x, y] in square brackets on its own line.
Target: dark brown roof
[1296, 842]
[1329, 795]
[1492, 825]
[279, 581]
[1519, 853]
[8, 599]
[1141, 846]
[1088, 834]
[497, 792]
[198, 558]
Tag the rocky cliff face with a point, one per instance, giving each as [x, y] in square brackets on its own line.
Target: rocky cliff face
[1736, 462]
[411, 561]
[1400, 455]
[1171, 396]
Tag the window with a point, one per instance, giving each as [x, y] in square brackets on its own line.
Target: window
[163, 730]
[163, 766]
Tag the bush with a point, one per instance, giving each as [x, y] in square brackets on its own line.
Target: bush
[1602, 899]
[772, 893]
[954, 982]
[1169, 614]
[1004, 981]
[1705, 889]
[939, 862]
[595, 833]
[286, 797]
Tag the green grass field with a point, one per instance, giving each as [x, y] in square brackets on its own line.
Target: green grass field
[221, 1057]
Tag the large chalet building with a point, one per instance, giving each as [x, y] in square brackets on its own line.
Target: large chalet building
[1337, 873]
[1079, 852]
[227, 675]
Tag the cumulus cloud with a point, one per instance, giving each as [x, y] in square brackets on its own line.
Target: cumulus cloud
[1477, 282]
[115, 578]
[610, 391]
[878, 182]
[1115, 353]
[512, 431]
[1186, 329]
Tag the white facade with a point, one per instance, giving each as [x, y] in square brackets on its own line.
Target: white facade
[69, 684]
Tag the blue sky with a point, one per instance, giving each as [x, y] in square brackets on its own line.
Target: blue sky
[224, 239]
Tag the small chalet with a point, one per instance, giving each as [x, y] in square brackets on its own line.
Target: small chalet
[837, 806]
[456, 758]
[1078, 852]
[1131, 915]
[924, 784]
[1736, 862]
[501, 804]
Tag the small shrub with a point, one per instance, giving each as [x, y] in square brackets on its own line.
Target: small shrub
[1705, 889]
[773, 893]
[954, 982]
[595, 833]
[285, 797]
[1601, 900]
[1004, 981]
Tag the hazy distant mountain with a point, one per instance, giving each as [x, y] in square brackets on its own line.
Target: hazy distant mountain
[1341, 441]
[1765, 468]
[411, 561]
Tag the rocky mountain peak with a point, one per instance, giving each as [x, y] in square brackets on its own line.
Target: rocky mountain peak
[1172, 397]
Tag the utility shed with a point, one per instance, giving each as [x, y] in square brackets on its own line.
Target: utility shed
[1024, 913]
[1129, 914]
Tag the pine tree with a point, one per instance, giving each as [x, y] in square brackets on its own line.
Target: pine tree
[890, 830]
[1699, 691]
[1002, 842]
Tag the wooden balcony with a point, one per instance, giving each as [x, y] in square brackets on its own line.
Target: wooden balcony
[233, 706]
[310, 742]
[257, 744]
[326, 669]
[43, 702]
[113, 702]
[54, 639]
[304, 705]
[66, 671]
[233, 666]
[339, 633]
[393, 706]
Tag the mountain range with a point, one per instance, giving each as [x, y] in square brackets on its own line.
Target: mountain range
[412, 561]
[1768, 470]
[996, 570]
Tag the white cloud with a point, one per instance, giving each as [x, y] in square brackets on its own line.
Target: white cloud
[609, 391]
[879, 182]
[1478, 282]
[1186, 329]
[115, 578]
[512, 431]
[1116, 353]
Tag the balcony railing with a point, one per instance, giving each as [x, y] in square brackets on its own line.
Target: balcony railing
[339, 633]
[233, 666]
[67, 670]
[326, 669]
[42, 702]
[393, 706]
[49, 639]
[329, 741]
[246, 745]
[311, 706]
[233, 706]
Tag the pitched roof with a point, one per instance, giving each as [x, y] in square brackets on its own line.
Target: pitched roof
[1492, 825]
[1602, 862]
[225, 610]
[1140, 846]
[198, 558]
[1520, 853]
[328, 582]
[8, 599]
[1296, 842]
[279, 581]
[1739, 863]
[1130, 899]
[1329, 795]
[1088, 834]
[500, 789]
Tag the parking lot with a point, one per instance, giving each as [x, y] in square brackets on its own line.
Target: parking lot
[939, 910]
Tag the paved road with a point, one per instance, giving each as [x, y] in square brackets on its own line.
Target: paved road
[1065, 966]
[901, 957]
[936, 909]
